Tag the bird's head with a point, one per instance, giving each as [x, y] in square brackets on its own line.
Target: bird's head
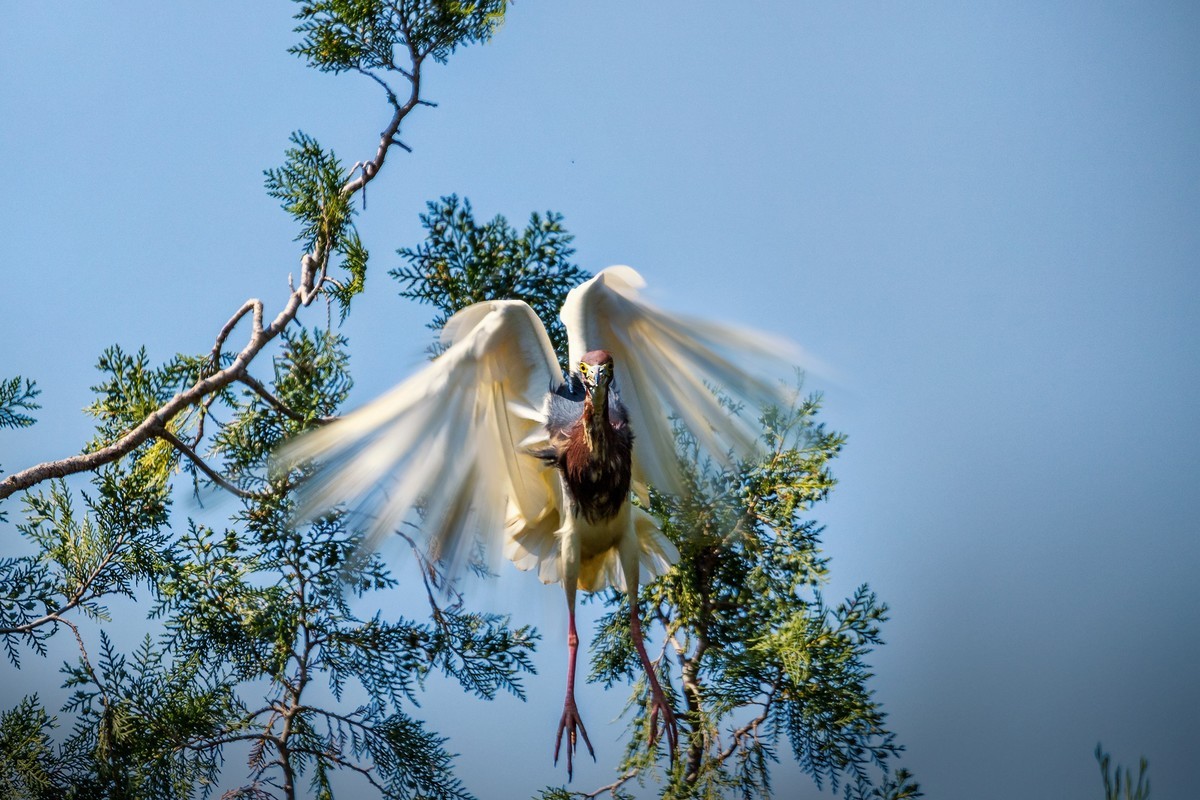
[596, 370]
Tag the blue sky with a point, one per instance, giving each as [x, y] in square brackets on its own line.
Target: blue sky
[985, 216]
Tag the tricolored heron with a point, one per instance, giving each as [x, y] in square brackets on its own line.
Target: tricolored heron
[491, 437]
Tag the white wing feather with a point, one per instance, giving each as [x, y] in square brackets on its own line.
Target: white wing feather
[668, 364]
[447, 442]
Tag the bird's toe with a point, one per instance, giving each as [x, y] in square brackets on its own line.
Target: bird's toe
[572, 725]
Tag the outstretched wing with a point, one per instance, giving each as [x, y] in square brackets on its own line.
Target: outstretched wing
[447, 442]
[667, 365]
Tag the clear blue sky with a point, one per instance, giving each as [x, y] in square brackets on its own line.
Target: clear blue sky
[985, 216]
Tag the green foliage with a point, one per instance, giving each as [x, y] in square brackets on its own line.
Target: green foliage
[32, 765]
[1114, 788]
[257, 641]
[364, 35]
[137, 716]
[899, 786]
[120, 542]
[16, 397]
[131, 390]
[354, 262]
[270, 602]
[259, 609]
[309, 186]
[760, 659]
[310, 381]
[462, 262]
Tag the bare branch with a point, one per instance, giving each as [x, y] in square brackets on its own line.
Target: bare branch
[156, 422]
[433, 580]
[610, 788]
[372, 167]
[335, 758]
[217, 741]
[750, 729]
[277, 404]
[213, 475]
[391, 95]
[87, 662]
[250, 305]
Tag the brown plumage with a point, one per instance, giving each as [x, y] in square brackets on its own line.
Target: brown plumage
[594, 451]
[591, 446]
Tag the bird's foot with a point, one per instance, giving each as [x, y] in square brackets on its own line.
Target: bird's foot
[573, 726]
[660, 708]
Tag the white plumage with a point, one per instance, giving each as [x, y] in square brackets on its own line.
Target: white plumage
[457, 441]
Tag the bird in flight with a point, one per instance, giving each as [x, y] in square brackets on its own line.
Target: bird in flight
[492, 438]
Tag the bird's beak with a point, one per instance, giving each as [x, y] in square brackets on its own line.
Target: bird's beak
[597, 384]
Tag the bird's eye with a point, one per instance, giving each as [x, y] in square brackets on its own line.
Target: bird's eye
[583, 367]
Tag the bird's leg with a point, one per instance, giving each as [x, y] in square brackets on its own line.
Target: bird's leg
[659, 707]
[571, 722]
[658, 700]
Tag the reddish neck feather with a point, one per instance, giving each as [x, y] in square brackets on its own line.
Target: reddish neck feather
[595, 425]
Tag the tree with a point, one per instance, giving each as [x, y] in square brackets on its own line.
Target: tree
[258, 644]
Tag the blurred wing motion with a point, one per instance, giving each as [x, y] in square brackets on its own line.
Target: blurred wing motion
[456, 443]
[669, 364]
[450, 441]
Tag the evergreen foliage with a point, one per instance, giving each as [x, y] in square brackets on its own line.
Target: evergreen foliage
[308, 186]
[1114, 787]
[17, 397]
[364, 35]
[257, 648]
[462, 262]
[758, 659]
[31, 766]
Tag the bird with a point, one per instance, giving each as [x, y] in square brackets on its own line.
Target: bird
[491, 439]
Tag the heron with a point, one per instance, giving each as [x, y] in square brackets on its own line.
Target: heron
[491, 437]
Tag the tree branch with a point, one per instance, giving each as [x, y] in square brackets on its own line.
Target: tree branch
[751, 727]
[312, 275]
[156, 422]
[367, 772]
[250, 305]
[386, 138]
[79, 597]
[213, 475]
[610, 788]
[278, 404]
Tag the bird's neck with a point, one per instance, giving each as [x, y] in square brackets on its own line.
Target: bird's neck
[596, 429]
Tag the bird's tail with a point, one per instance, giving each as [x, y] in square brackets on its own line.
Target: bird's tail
[536, 545]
